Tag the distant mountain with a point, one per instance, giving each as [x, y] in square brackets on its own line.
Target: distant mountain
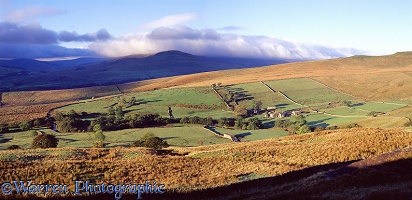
[28, 65]
[77, 62]
[77, 73]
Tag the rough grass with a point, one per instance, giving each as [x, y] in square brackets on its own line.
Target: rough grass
[203, 167]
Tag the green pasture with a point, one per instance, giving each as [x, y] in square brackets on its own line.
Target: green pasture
[317, 119]
[259, 92]
[187, 135]
[378, 106]
[346, 111]
[201, 102]
[307, 91]
[252, 135]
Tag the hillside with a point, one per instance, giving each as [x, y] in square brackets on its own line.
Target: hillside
[272, 165]
[374, 78]
[95, 72]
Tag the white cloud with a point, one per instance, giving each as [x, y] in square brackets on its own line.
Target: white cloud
[209, 42]
[30, 13]
[170, 20]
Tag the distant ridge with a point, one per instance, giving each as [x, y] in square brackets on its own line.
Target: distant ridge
[123, 70]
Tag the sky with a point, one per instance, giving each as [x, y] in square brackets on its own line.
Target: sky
[293, 29]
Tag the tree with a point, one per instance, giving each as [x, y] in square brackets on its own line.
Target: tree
[258, 105]
[98, 135]
[254, 124]
[97, 127]
[300, 120]
[44, 141]
[72, 114]
[24, 126]
[304, 129]
[36, 123]
[150, 141]
[239, 122]
[111, 111]
[33, 133]
[119, 113]
[147, 135]
[155, 143]
[67, 124]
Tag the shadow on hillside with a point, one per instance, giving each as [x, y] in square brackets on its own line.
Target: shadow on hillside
[268, 124]
[320, 122]
[333, 180]
[242, 135]
[142, 101]
[282, 105]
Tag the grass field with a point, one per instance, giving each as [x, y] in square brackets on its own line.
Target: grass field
[345, 111]
[327, 120]
[253, 135]
[182, 136]
[184, 102]
[379, 107]
[259, 92]
[307, 91]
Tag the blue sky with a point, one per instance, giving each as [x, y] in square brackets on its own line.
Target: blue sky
[315, 29]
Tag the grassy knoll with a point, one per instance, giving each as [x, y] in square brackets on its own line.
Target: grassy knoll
[202, 167]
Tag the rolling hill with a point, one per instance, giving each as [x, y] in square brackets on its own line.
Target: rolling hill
[80, 73]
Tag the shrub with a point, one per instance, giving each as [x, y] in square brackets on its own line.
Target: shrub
[253, 124]
[372, 114]
[304, 129]
[99, 136]
[98, 144]
[353, 125]
[150, 141]
[155, 143]
[24, 126]
[44, 141]
[347, 103]
[13, 147]
[33, 133]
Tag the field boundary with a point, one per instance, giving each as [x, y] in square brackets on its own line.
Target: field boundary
[224, 135]
[220, 97]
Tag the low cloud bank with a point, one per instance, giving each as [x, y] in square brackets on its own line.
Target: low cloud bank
[209, 42]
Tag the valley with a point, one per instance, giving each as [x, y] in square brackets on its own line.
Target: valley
[326, 116]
